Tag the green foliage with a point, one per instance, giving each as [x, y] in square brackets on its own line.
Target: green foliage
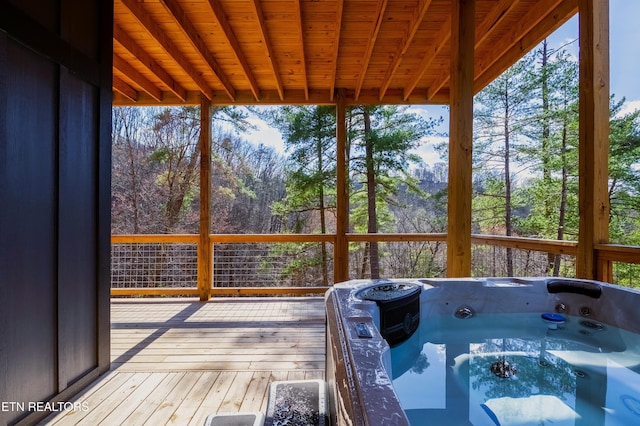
[309, 135]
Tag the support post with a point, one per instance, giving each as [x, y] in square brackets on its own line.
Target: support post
[341, 247]
[460, 138]
[594, 138]
[204, 245]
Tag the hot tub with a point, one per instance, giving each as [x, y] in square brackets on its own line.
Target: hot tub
[486, 352]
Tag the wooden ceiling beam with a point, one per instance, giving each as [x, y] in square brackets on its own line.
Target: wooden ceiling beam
[257, 10]
[223, 22]
[490, 23]
[165, 42]
[124, 88]
[272, 97]
[187, 27]
[148, 62]
[125, 68]
[441, 40]
[336, 50]
[403, 46]
[373, 36]
[300, 44]
[510, 47]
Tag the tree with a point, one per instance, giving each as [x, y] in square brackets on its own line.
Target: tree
[381, 140]
[132, 182]
[502, 111]
[155, 167]
[624, 178]
[553, 152]
[309, 135]
[175, 134]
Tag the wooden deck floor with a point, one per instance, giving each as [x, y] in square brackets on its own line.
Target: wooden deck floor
[176, 361]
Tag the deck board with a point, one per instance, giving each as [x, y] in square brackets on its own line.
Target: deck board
[175, 361]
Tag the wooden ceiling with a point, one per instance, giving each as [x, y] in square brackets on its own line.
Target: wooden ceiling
[303, 51]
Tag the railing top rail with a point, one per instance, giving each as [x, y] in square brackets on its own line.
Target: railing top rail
[272, 238]
[154, 238]
[396, 237]
[523, 243]
[618, 253]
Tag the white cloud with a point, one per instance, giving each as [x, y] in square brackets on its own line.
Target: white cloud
[629, 107]
[264, 134]
[426, 150]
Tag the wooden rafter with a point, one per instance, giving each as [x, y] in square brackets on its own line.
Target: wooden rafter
[198, 43]
[257, 10]
[443, 37]
[403, 46]
[167, 44]
[493, 19]
[222, 21]
[513, 37]
[124, 88]
[125, 68]
[373, 36]
[148, 62]
[528, 39]
[336, 48]
[300, 44]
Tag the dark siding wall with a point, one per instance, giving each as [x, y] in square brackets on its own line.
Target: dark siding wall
[55, 74]
[77, 266]
[28, 243]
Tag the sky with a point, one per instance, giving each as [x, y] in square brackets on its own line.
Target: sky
[624, 44]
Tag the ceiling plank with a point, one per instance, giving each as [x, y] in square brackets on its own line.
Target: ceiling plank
[148, 62]
[403, 46]
[198, 43]
[336, 50]
[300, 44]
[165, 42]
[125, 68]
[490, 23]
[257, 10]
[441, 40]
[222, 21]
[373, 36]
[124, 88]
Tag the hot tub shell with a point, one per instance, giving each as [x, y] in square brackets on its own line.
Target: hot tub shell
[358, 357]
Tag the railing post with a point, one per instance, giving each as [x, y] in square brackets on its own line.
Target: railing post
[341, 246]
[460, 138]
[593, 155]
[204, 245]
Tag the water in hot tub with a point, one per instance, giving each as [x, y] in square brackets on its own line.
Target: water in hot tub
[511, 369]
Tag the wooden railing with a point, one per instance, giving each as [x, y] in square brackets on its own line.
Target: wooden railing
[168, 264]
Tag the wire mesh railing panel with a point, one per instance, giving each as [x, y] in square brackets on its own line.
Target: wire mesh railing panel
[411, 259]
[272, 264]
[405, 259]
[626, 274]
[157, 262]
[154, 265]
[495, 261]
